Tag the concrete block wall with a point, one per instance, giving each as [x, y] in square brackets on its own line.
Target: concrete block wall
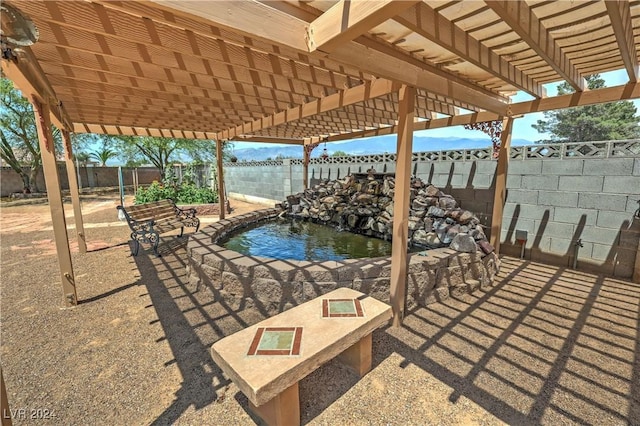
[560, 202]
[268, 179]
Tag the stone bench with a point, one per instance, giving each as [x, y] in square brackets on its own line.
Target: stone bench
[267, 360]
[147, 221]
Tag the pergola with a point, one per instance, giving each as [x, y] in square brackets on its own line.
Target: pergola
[301, 72]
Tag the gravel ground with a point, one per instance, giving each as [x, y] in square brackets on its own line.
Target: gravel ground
[546, 345]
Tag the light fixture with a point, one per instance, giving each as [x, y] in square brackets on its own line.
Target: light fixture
[16, 29]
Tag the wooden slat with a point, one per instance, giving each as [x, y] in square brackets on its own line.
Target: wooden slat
[425, 21]
[519, 16]
[29, 78]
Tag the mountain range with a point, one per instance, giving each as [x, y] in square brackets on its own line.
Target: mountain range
[368, 146]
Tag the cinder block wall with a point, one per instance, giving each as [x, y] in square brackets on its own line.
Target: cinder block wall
[560, 203]
[558, 194]
[264, 179]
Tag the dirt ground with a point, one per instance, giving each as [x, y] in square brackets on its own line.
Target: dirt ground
[546, 345]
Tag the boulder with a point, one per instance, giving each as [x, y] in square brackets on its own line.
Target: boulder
[464, 243]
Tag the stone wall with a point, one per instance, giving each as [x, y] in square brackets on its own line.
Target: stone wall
[558, 193]
[276, 285]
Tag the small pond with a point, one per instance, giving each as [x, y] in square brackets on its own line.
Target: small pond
[302, 240]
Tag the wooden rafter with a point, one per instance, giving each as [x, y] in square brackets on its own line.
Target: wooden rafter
[347, 97]
[425, 21]
[379, 59]
[620, 15]
[347, 20]
[198, 27]
[391, 63]
[519, 16]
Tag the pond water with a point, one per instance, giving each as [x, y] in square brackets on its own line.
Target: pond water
[301, 240]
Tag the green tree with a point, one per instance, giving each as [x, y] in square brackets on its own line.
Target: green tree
[104, 153]
[161, 152]
[339, 154]
[19, 144]
[615, 120]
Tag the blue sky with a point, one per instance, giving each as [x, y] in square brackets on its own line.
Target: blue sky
[521, 127]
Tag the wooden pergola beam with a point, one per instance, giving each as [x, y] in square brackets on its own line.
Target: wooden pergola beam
[591, 97]
[349, 96]
[519, 16]
[425, 21]
[378, 58]
[252, 138]
[103, 129]
[620, 15]
[347, 20]
[252, 18]
[393, 64]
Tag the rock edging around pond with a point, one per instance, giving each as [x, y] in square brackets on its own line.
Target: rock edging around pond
[273, 285]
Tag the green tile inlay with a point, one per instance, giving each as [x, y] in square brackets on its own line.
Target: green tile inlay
[276, 340]
[342, 307]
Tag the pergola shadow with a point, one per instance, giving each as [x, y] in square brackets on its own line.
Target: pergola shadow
[193, 320]
[191, 324]
[540, 347]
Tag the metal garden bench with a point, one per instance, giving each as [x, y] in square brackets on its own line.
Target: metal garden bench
[148, 221]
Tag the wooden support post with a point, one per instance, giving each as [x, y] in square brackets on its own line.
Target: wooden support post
[305, 166]
[5, 411]
[284, 409]
[52, 181]
[358, 356]
[500, 192]
[75, 193]
[221, 198]
[399, 241]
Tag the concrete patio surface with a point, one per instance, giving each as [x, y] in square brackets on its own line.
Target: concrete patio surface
[546, 345]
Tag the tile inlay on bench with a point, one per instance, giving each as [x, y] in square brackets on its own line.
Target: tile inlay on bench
[267, 360]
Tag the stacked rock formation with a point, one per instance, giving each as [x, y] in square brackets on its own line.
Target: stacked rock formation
[363, 203]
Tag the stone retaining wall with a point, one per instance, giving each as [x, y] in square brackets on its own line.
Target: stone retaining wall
[274, 285]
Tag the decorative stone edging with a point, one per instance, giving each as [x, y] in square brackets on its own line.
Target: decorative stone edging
[274, 285]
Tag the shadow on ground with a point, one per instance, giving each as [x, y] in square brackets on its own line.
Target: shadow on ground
[545, 345]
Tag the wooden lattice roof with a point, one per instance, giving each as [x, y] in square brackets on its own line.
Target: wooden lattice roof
[294, 70]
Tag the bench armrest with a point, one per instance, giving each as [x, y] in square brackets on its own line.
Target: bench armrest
[187, 216]
[189, 213]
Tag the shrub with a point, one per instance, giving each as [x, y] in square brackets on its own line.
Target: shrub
[183, 194]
